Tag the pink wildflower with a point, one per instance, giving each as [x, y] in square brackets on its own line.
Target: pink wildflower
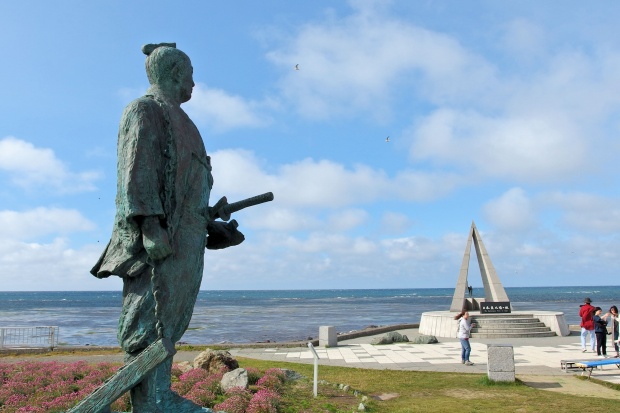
[270, 382]
[264, 401]
[253, 375]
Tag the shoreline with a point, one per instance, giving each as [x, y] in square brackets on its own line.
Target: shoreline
[368, 331]
[351, 335]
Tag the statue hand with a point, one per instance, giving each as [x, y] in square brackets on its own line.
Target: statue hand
[223, 235]
[155, 239]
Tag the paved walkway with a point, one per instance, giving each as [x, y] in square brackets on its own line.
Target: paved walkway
[533, 356]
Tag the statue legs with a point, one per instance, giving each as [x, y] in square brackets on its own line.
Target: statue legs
[154, 395]
[143, 395]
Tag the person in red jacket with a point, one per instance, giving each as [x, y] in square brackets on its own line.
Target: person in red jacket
[587, 324]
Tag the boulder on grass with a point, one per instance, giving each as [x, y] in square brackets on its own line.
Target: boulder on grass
[236, 378]
[214, 360]
[291, 375]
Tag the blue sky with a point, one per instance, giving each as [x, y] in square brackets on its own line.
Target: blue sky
[504, 113]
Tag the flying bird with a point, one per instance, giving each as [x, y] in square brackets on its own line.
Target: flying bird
[296, 67]
[387, 139]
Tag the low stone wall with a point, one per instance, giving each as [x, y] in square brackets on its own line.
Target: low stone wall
[438, 324]
[555, 321]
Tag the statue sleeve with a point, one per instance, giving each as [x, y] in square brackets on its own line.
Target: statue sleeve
[141, 140]
[141, 143]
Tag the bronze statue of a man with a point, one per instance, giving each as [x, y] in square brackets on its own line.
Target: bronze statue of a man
[160, 228]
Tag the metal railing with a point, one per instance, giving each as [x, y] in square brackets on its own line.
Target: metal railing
[28, 337]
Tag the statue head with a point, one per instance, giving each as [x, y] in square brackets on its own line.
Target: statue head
[170, 70]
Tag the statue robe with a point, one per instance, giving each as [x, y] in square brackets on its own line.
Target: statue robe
[164, 172]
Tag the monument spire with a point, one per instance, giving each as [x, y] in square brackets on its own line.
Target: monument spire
[493, 288]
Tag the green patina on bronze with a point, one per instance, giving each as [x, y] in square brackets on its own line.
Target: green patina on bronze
[160, 232]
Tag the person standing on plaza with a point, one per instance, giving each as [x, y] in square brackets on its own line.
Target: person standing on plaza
[587, 325]
[612, 318]
[600, 329]
[463, 334]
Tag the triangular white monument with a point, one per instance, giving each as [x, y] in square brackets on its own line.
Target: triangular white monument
[493, 288]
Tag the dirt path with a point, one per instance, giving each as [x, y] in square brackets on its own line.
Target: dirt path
[570, 384]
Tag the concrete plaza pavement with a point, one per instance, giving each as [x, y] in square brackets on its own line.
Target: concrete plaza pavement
[539, 356]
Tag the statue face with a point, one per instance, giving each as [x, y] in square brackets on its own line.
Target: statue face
[186, 83]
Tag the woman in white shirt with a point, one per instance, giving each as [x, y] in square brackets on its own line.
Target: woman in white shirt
[612, 317]
[464, 330]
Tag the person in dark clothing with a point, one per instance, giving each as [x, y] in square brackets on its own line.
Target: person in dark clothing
[600, 330]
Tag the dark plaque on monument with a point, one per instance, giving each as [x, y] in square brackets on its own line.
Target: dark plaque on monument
[497, 307]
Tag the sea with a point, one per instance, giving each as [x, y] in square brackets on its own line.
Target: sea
[91, 317]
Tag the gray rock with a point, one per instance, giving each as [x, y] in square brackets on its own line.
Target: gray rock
[361, 408]
[185, 366]
[214, 360]
[291, 375]
[425, 340]
[389, 338]
[235, 378]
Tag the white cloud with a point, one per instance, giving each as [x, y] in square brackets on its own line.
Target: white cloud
[356, 63]
[425, 185]
[240, 173]
[223, 111]
[586, 212]
[512, 211]
[347, 219]
[529, 149]
[323, 183]
[395, 223]
[53, 266]
[275, 218]
[31, 167]
[34, 223]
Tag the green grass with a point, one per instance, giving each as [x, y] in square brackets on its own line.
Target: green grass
[421, 392]
[418, 391]
[604, 383]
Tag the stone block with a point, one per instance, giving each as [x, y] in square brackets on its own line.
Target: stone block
[501, 376]
[327, 336]
[500, 357]
[501, 362]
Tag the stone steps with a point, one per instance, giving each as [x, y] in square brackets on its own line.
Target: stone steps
[514, 335]
[487, 324]
[509, 326]
[511, 321]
